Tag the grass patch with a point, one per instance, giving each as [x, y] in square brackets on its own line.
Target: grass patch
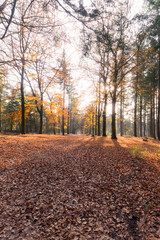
[144, 151]
[137, 151]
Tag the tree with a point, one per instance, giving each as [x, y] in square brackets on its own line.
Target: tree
[137, 70]
[39, 76]
[89, 120]
[111, 32]
[103, 75]
[19, 47]
[64, 79]
[119, 56]
[154, 37]
[6, 19]
[12, 111]
[30, 18]
[149, 43]
[3, 74]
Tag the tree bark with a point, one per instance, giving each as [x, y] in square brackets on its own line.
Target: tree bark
[63, 107]
[99, 112]
[114, 98]
[151, 118]
[99, 123]
[27, 125]
[96, 122]
[121, 115]
[93, 124]
[73, 126]
[153, 121]
[114, 115]
[59, 123]
[135, 114]
[63, 122]
[144, 120]
[0, 113]
[54, 128]
[68, 122]
[71, 121]
[104, 115]
[158, 117]
[23, 130]
[41, 120]
[140, 113]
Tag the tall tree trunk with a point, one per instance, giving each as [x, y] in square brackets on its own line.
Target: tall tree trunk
[41, 116]
[99, 123]
[54, 128]
[41, 121]
[104, 115]
[140, 113]
[73, 126]
[27, 125]
[68, 120]
[99, 112]
[63, 108]
[136, 93]
[153, 121]
[158, 117]
[114, 114]
[96, 122]
[63, 123]
[59, 123]
[23, 130]
[23, 127]
[156, 111]
[71, 121]
[11, 126]
[93, 124]
[151, 118]
[135, 114]
[144, 120]
[0, 113]
[121, 114]
[114, 99]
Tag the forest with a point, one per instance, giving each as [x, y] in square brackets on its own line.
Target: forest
[80, 119]
[90, 68]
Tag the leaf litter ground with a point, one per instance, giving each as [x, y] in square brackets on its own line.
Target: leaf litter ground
[79, 187]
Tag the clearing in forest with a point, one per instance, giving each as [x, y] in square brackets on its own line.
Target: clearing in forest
[79, 187]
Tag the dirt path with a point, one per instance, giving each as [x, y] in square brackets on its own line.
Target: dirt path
[80, 188]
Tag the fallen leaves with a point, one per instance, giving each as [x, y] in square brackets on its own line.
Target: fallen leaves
[66, 187]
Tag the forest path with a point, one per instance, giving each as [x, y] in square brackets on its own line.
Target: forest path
[84, 188]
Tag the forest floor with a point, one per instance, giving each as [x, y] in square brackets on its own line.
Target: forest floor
[79, 187]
